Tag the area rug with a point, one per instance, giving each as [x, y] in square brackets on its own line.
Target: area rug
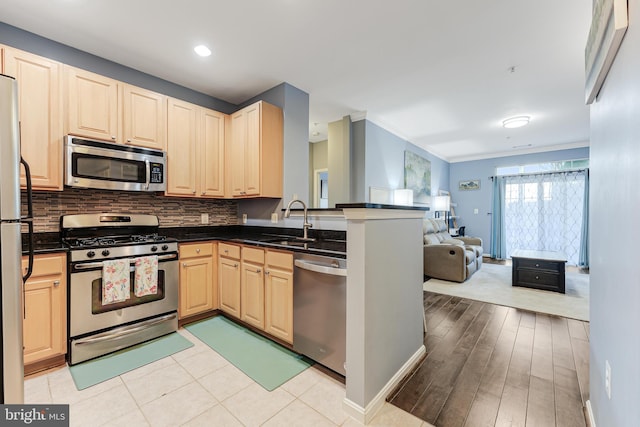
[492, 284]
[267, 363]
[103, 368]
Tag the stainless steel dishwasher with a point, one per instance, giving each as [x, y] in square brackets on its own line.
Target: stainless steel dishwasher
[320, 310]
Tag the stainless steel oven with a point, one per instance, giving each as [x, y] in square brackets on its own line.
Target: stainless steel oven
[96, 327]
[109, 166]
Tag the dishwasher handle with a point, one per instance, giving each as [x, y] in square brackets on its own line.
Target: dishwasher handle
[319, 268]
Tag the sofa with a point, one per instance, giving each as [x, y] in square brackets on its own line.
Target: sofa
[448, 258]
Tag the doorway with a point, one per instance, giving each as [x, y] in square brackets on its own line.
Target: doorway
[321, 188]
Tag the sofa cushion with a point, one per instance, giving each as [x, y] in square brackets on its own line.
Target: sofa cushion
[431, 239]
[427, 226]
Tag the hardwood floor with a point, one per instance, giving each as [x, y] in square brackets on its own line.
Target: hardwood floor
[489, 365]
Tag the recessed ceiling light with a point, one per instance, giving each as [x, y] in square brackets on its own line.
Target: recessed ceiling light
[202, 50]
[515, 122]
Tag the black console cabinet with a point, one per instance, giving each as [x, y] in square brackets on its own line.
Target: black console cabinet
[539, 270]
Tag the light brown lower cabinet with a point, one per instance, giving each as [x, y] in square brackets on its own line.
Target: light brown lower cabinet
[229, 278]
[45, 308]
[256, 286]
[198, 290]
[279, 295]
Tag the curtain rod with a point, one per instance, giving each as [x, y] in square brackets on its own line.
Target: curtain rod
[539, 173]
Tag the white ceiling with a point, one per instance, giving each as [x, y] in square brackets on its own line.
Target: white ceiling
[434, 72]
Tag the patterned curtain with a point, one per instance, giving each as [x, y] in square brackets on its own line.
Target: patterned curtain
[546, 212]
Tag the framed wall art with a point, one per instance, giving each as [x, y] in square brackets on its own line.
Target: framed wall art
[469, 184]
[609, 23]
[417, 177]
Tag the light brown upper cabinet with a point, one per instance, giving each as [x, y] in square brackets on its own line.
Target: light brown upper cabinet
[195, 150]
[103, 108]
[91, 105]
[254, 152]
[144, 117]
[40, 109]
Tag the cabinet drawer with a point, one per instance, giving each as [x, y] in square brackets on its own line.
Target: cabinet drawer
[539, 278]
[44, 265]
[254, 255]
[283, 260]
[192, 250]
[539, 264]
[229, 251]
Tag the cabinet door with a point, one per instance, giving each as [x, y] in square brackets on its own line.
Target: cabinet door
[236, 151]
[196, 286]
[211, 155]
[252, 153]
[252, 294]
[279, 304]
[40, 109]
[144, 117]
[229, 286]
[279, 294]
[91, 105]
[45, 322]
[181, 148]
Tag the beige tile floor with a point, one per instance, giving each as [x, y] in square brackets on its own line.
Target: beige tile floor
[197, 387]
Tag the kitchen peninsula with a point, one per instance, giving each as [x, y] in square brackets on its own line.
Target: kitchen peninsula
[384, 302]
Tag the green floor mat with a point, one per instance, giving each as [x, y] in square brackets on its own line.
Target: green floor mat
[103, 368]
[267, 363]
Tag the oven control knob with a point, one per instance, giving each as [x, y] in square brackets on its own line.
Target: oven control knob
[91, 254]
[106, 252]
[165, 247]
[154, 248]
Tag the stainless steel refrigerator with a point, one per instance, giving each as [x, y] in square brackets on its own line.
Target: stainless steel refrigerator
[11, 274]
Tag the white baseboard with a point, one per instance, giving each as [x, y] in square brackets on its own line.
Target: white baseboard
[590, 419]
[365, 415]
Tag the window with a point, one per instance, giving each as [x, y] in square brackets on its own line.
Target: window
[562, 165]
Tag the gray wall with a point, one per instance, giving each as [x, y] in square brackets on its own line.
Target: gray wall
[384, 164]
[33, 43]
[615, 201]
[479, 225]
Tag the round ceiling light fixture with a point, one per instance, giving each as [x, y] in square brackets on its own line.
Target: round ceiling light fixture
[202, 50]
[516, 122]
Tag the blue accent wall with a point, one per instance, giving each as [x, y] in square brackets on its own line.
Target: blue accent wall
[479, 225]
[384, 162]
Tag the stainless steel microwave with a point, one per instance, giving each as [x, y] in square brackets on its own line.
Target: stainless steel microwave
[105, 165]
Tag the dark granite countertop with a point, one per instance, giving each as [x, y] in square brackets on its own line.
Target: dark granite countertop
[367, 205]
[328, 242]
[43, 243]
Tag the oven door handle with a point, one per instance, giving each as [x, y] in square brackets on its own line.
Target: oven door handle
[124, 331]
[100, 263]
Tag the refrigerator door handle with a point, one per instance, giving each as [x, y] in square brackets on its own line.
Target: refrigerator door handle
[28, 219]
[27, 171]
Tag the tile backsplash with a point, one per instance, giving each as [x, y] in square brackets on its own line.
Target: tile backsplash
[172, 211]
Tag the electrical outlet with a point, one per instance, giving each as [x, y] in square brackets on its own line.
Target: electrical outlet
[607, 378]
[295, 196]
[244, 218]
[274, 217]
[204, 218]
[475, 211]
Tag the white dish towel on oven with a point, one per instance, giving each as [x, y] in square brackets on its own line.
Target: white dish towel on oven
[146, 282]
[116, 285]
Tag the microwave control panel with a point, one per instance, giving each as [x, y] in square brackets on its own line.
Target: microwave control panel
[156, 173]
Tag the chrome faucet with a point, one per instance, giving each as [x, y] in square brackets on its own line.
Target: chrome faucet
[306, 225]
